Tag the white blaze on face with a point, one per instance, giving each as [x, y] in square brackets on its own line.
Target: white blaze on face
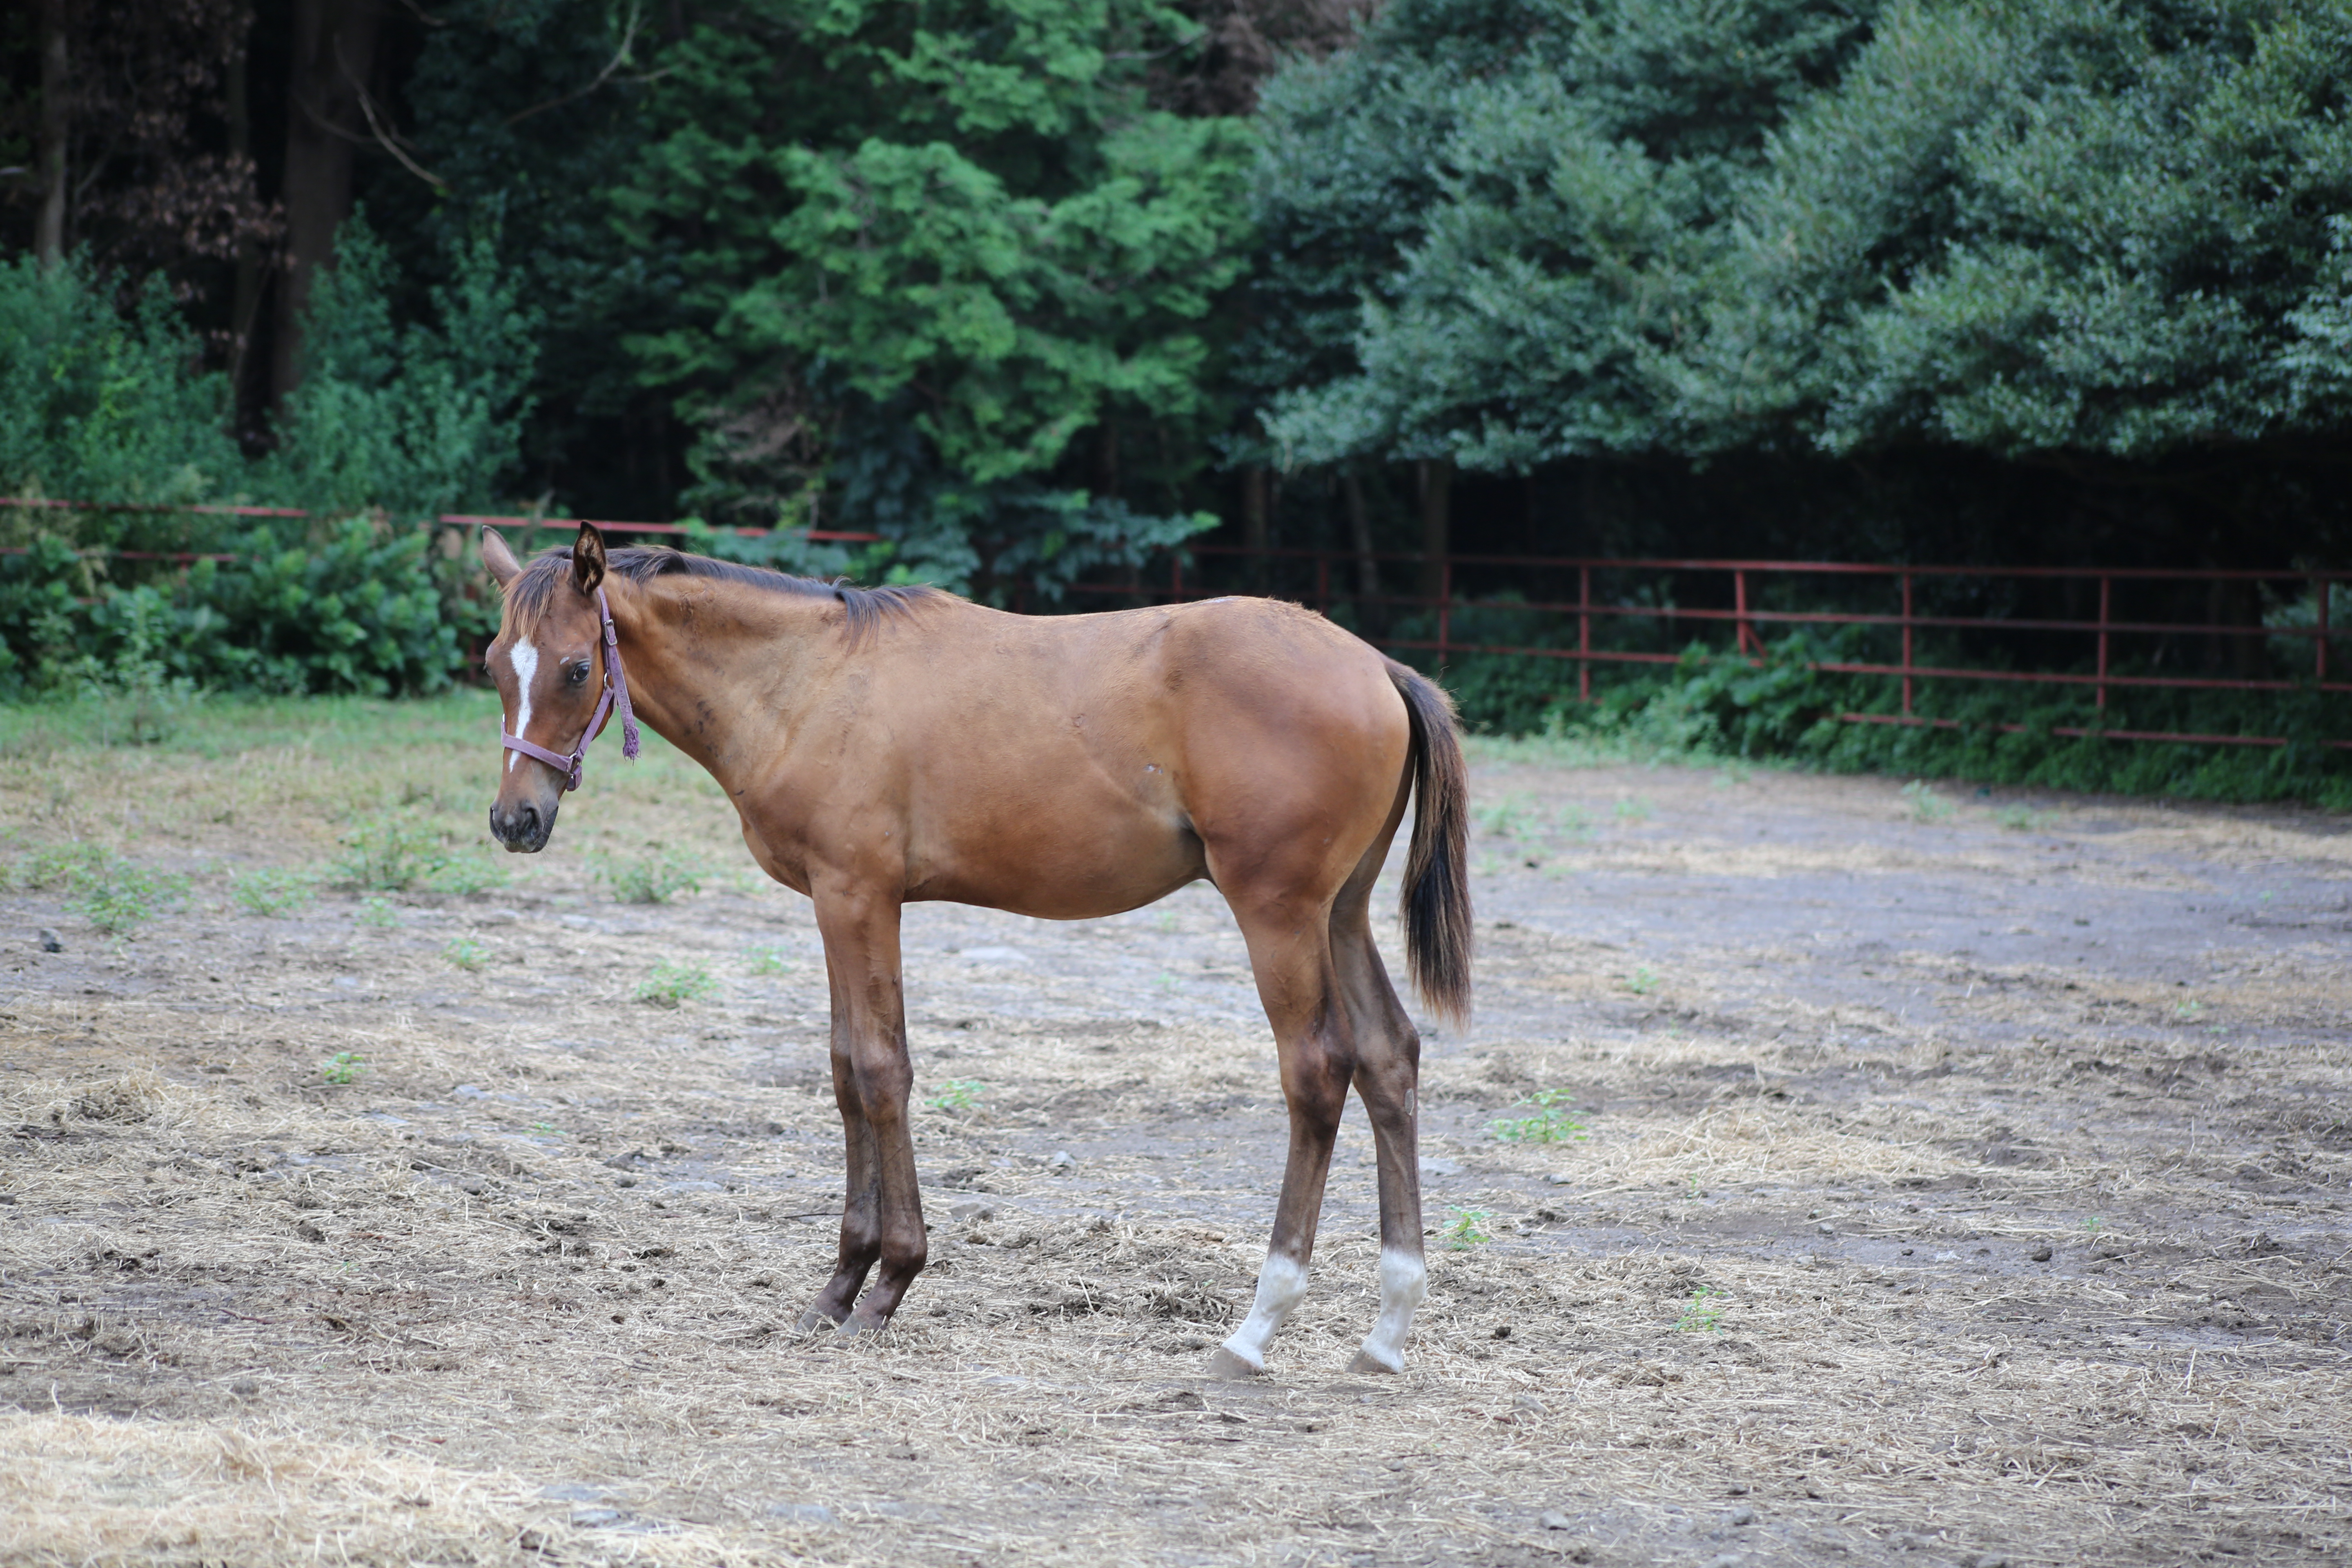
[525, 660]
[1404, 1280]
[1280, 1286]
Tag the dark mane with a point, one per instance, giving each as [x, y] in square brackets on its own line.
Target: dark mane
[530, 594]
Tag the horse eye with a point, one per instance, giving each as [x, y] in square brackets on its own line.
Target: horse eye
[580, 672]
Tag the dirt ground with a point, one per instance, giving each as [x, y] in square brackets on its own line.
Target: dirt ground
[1955, 1179]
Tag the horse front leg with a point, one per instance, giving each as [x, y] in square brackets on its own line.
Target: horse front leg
[861, 1207]
[882, 1213]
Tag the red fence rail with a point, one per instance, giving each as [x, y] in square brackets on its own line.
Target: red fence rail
[1737, 605]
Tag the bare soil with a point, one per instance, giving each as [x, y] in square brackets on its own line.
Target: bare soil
[1937, 1191]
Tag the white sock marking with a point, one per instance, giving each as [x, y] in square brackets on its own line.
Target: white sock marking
[1404, 1280]
[525, 660]
[1280, 1285]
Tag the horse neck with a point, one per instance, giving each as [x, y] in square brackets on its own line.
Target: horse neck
[712, 666]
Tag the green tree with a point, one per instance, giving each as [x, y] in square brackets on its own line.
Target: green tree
[949, 277]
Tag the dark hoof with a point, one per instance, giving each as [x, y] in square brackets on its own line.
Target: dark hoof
[814, 1322]
[1227, 1366]
[1364, 1362]
[858, 1326]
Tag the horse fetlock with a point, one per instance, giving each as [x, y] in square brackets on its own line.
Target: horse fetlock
[1404, 1284]
[1281, 1284]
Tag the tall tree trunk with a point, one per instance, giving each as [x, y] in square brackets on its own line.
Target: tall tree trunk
[56, 120]
[334, 49]
[1372, 616]
[1255, 533]
[1436, 483]
[244, 313]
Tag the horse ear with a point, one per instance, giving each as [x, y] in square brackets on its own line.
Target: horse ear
[588, 559]
[498, 558]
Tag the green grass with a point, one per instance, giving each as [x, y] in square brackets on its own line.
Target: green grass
[1548, 1121]
[272, 891]
[673, 985]
[1925, 804]
[467, 952]
[957, 1094]
[769, 961]
[378, 912]
[114, 893]
[343, 1067]
[653, 878]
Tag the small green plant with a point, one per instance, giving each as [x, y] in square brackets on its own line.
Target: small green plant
[110, 892]
[378, 913]
[1549, 1122]
[343, 1067]
[957, 1094]
[654, 878]
[1633, 808]
[769, 961]
[272, 891]
[1643, 981]
[2094, 1225]
[1703, 1315]
[1467, 1228]
[2023, 818]
[546, 1130]
[672, 985]
[467, 952]
[1513, 816]
[463, 876]
[389, 855]
[1925, 805]
[1576, 822]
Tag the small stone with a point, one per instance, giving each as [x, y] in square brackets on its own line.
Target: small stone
[1502, 1331]
[1990, 1559]
[595, 1518]
[1060, 1161]
[1743, 1514]
[244, 1388]
[1737, 1489]
[1440, 1168]
[1723, 1560]
[49, 943]
[2040, 1255]
[1826, 1228]
[800, 1512]
[1947, 1258]
[1559, 1178]
[1554, 1520]
[1528, 1401]
[969, 1210]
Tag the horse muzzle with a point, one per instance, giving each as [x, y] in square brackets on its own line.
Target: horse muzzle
[523, 827]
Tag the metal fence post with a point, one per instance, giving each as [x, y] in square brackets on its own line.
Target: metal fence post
[1906, 645]
[2101, 703]
[1584, 634]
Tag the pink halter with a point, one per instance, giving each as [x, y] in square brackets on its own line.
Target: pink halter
[615, 695]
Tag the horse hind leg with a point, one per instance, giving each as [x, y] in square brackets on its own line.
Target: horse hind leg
[1387, 1080]
[1291, 957]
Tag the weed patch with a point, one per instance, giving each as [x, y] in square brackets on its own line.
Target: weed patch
[114, 894]
[652, 879]
[1547, 1122]
[673, 985]
[272, 892]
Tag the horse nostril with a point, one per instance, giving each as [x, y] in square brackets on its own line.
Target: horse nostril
[526, 819]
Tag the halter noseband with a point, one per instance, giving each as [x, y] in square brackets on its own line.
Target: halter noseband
[615, 695]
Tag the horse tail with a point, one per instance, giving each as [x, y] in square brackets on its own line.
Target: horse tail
[1436, 904]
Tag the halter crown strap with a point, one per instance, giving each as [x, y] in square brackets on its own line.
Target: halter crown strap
[615, 695]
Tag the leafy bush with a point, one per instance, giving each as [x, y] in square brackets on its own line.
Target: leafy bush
[389, 425]
[389, 855]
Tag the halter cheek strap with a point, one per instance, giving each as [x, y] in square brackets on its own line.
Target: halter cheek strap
[615, 695]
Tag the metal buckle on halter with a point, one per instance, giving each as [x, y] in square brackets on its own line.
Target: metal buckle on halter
[615, 695]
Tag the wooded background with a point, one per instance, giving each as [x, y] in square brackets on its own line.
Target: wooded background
[1035, 288]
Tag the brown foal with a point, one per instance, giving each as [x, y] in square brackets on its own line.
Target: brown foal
[896, 744]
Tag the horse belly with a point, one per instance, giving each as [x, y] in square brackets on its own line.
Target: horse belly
[1067, 858]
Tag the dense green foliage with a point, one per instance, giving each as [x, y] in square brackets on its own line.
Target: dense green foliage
[944, 267]
[1663, 226]
[392, 424]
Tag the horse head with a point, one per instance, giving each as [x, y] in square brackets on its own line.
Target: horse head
[557, 665]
